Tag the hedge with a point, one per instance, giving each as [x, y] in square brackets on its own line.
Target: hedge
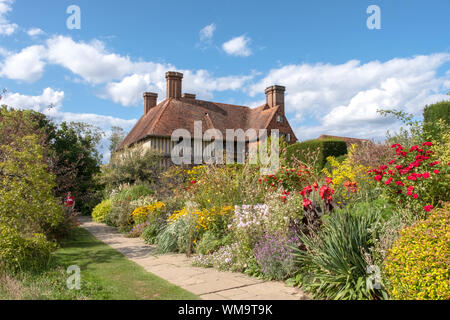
[439, 110]
[326, 147]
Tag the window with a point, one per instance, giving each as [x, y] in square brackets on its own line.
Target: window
[288, 137]
[279, 119]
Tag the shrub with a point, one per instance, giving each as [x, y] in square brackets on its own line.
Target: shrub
[144, 213]
[274, 255]
[414, 179]
[102, 210]
[417, 265]
[131, 166]
[123, 205]
[325, 147]
[334, 265]
[436, 111]
[20, 252]
[211, 242]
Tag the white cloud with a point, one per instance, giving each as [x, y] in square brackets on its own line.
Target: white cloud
[344, 98]
[89, 61]
[6, 28]
[50, 102]
[27, 65]
[35, 32]
[48, 99]
[238, 46]
[207, 32]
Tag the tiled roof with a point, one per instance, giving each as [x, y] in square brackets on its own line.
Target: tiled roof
[172, 114]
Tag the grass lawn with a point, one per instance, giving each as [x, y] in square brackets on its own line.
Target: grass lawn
[105, 274]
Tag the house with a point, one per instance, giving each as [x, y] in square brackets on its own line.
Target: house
[180, 110]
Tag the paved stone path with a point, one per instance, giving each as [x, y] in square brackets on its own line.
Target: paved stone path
[208, 283]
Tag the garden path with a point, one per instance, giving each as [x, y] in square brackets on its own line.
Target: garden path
[207, 283]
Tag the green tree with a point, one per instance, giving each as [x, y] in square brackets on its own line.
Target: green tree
[116, 137]
[77, 162]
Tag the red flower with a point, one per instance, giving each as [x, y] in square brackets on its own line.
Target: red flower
[410, 188]
[428, 208]
[306, 203]
[315, 186]
[426, 175]
[415, 196]
[193, 181]
[435, 171]
[427, 144]
[399, 183]
[328, 180]
[325, 191]
[307, 189]
[388, 181]
[398, 167]
[392, 161]
[432, 164]
[409, 193]
[412, 177]
[396, 145]
[413, 148]
[377, 177]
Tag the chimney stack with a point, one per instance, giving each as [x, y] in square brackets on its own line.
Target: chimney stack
[189, 96]
[150, 100]
[173, 84]
[275, 97]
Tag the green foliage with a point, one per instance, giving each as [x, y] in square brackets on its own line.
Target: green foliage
[77, 162]
[211, 242]
[23, 252]
[116, 137]
[417, 264]
[101, 210]
[436, 111]
[334, 265]
[130, 166]
[324, 147]
[120, 214]
[26, 200]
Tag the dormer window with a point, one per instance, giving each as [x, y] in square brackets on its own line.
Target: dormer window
[279, 119]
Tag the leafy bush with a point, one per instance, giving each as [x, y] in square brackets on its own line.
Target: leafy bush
[123, 206]
[144, 213]
[23, 252]
[436, 111]
[132, 166]
[415, 179]
[325, 147]
[102, 210]
[334, 265]
[417, 265]
[211, 242]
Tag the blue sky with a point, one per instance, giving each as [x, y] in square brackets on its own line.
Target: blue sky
[337, 72]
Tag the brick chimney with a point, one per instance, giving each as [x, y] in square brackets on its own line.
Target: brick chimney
[150, 100]
[275, 97]
[173, 84]
[189, 96]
